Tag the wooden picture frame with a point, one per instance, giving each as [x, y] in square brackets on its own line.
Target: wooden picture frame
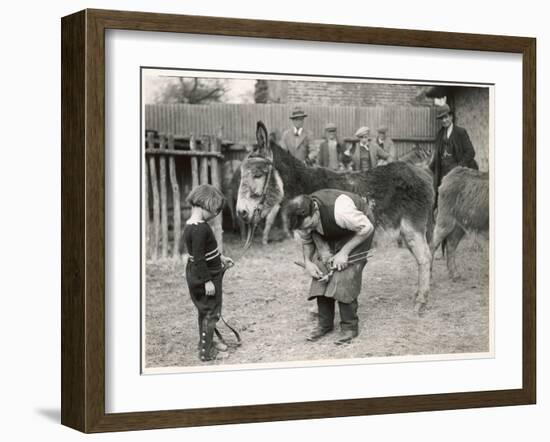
[83, 220]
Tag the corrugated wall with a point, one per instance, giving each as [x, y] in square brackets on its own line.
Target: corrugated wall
[406, 124]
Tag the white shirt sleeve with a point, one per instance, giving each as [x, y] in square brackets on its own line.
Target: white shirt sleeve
[349, 217]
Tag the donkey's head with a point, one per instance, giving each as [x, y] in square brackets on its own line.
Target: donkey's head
[425, 153]
[261, 187]
[419, 155]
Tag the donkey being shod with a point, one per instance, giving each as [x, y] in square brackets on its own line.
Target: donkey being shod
[418, 156]
[463, 207]
[400, 196]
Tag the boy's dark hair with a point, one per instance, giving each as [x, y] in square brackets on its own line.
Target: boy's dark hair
[298, 209]
[206, 197]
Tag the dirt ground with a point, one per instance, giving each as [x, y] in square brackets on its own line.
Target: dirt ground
[265, 300]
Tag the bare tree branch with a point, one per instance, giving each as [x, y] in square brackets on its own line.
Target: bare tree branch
[213, 92]
[192, 90]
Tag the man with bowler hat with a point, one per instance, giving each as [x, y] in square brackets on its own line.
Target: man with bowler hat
[296, 139]
[452, 147]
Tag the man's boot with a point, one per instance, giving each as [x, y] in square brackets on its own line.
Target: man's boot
[317, 333]
[346, 336]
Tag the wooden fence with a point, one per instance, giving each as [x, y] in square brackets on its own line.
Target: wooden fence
[169, 179]
[163, 221]
[407, 124]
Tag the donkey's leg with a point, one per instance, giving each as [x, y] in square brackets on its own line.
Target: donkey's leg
[269, 220]
[242, 228]
[233, 212]
[452, 243]
[443, 229]
[284, 219]
[238, 223]
[436, 215]
[415, 239]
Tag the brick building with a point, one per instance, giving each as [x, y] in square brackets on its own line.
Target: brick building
[344, 94]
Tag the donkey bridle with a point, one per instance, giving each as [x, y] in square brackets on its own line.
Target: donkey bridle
[260, 204]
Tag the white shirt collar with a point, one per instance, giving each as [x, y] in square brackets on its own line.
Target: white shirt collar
[450, 130]
[298, 131]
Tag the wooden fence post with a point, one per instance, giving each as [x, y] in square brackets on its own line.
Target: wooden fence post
[176, 198]
[146, 208]
[163, 199]
[215, 146]
[156, 203]
[194, 163]
[204, 162]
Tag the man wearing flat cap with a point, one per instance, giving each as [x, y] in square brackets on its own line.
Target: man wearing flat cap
[367, 153]
[386, 143]
[452, 147]
[330, 149]
[296, 139]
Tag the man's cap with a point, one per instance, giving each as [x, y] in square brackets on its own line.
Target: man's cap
[297, 209]
[362, 131]
[442, 111]
[330, 127]
[382, 129]
[297, 113]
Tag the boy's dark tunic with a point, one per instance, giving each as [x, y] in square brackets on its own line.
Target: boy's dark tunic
[204, 265]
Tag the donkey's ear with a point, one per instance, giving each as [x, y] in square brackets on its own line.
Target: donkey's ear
[263, 139]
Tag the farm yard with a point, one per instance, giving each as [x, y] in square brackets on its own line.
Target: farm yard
[188, 143]
[265, 300]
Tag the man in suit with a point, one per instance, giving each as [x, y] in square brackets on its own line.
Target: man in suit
[296, 139]
[386, 143]
[452, 147]
[330, 149]
[367, 153]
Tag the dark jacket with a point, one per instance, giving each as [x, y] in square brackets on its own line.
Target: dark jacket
[462, 151]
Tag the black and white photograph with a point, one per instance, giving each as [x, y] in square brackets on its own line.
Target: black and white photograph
[294, 221]
[269, 221]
